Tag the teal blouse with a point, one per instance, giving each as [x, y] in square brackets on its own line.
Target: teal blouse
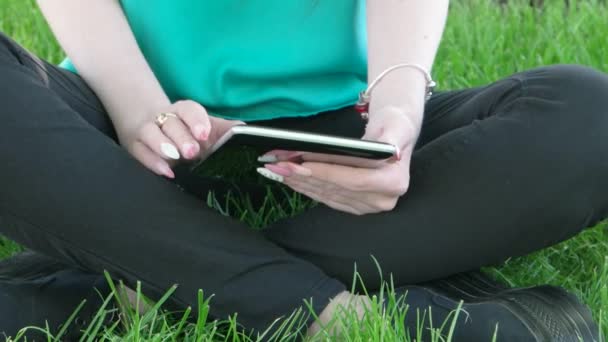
[252, 59]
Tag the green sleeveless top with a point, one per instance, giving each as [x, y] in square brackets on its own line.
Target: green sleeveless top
[252, 59]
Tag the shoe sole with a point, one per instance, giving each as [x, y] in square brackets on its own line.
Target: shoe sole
[569, 305]
[571, 310]
[566, 309]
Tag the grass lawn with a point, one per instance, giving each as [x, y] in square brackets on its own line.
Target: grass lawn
[482, 43]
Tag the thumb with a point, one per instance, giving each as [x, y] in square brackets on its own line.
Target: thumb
[224, 124]
[391, 126]
[219, 127]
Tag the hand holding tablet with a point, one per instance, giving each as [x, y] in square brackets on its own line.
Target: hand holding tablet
[308, 146]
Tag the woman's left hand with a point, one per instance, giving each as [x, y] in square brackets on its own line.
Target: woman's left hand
[351, 189]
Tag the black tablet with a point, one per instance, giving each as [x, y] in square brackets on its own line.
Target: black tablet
[321, 147]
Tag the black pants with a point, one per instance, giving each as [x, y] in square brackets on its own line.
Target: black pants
[499, 171]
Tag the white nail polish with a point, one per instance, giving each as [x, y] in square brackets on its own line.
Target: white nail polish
[269, 174]
[169, 150]
[268, 158]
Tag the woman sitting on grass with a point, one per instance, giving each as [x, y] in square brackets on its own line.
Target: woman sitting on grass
[91, 176]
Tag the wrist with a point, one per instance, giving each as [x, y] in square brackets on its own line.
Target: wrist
[405, 85]
[407, 99]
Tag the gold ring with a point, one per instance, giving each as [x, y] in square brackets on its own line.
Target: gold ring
[162, 118]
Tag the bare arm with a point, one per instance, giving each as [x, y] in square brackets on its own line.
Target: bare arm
[403, 31]
[97, 37]
[399, 31]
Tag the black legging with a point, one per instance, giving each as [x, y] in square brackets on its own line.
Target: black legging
[499, 171]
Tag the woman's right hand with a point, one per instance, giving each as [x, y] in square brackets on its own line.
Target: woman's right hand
[91, 33]
[185, 136]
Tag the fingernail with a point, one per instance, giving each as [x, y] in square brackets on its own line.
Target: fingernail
[269, 174]
[201, 132]
[278, 155]
[169, 150]
[268, 158]
[166, 170]
[190, 150]
[279, 170]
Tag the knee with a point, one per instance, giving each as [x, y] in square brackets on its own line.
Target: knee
[569, 83]
[588, 78]
[569, 104]
[574, 94]
[5, 41]
[7, 49]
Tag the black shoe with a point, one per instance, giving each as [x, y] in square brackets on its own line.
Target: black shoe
[35, 290]
[542, 313]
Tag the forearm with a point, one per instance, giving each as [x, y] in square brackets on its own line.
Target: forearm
[96, 36]
[403, 31]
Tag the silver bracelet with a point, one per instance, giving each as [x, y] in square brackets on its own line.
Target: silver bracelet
[365, 97]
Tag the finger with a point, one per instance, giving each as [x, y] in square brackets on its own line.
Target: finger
[388, 180]
[279, 155]
[334, 205]
[152, 136]
[220, 126]
[151, 160]
[351, 178]
[300, 176]
[195, 117]
[225, 123]
[176, 130]
[324, 193]
[362, 202]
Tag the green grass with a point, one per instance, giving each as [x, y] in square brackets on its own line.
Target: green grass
[483, 42]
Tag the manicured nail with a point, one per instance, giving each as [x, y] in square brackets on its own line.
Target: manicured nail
[190, 150]
[169, 150]
[278, 155]
[268, 158]
[269, 174]
[279, 170]
[166, 170]
[201, 132]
